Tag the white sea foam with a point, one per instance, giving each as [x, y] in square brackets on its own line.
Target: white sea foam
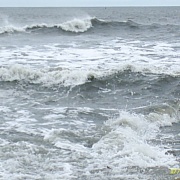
[122, 144]
[71, 66]
[11, 29]
[31, 156]
[77, 25]
[127, 143]
[4, 109]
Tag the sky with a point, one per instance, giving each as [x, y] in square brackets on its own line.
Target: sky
[82, 3]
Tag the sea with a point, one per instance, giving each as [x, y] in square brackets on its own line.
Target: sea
[89, 93]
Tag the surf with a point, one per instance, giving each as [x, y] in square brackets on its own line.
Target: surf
[75, 25]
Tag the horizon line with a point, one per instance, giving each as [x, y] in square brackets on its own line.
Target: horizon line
[89, 6]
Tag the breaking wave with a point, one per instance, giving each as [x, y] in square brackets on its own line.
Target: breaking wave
[74, 77]
[73, 26]
[48, 77]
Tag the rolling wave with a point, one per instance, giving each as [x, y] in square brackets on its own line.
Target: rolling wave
[68, 77]
[76, 26]
[73, 26]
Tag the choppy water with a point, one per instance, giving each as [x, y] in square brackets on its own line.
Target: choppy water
[89, 93]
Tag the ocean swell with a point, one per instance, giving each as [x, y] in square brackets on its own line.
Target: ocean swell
[75, 77]
[47, 77]
[74, 26]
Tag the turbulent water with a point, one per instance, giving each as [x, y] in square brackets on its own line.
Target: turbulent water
[89, 93]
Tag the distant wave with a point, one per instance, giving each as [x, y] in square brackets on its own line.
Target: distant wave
[73, 26]
[128, 23]
[11, 29]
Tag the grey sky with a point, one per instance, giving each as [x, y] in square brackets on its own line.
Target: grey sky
[72, 3]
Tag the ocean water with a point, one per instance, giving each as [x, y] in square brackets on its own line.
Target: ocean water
[89, 93]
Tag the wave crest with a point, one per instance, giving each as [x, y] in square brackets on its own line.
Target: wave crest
[74, 26]
[77, 25]
[11, 29]
[73, 77]
[47, 77]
